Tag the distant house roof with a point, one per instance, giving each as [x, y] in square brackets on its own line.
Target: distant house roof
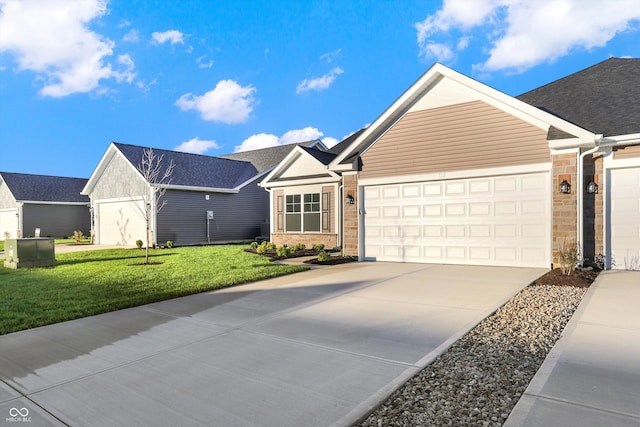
[44, 188]
[194, 170]
[602, 99]
[266, 158]
[342, 145]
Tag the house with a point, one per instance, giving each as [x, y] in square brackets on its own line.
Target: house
[457, 172]
[207, 199]
[52, 204]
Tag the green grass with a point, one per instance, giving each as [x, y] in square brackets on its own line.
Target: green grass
[93, 282]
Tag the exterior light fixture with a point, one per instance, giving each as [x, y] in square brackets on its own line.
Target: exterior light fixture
[349, 200]
[565, 187]
[592, 187]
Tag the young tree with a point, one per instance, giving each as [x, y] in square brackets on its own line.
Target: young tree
[158, 177]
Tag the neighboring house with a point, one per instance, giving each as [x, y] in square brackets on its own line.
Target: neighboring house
[52, 204]
[457, 172]
[208, 199]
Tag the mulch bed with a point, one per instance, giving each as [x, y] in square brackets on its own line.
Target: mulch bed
[273, 255]
[334, 260]
[579, 278]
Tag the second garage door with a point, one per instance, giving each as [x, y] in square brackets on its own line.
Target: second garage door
[120, 223]
[501, 220]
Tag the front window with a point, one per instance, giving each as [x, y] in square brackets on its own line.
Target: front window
[312, 212]
[292, 215]
[303, 213]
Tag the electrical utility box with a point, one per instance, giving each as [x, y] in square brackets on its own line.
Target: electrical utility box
[29, 253]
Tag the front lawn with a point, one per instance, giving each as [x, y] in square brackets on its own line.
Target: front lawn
[93, 282]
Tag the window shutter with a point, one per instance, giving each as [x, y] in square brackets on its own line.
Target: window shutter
[326, 201]
[280, 213]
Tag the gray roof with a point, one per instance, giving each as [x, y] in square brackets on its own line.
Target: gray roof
[602, 99]
[44, 188]
[266, 158]
[323, 157]
[194, 170]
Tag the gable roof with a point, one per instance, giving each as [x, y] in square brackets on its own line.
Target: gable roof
[264, 159]
[572, 134]
[195, 170]
[44, 188]
[602, 98]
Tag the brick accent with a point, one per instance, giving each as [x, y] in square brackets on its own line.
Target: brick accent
[328, 240]
[350, 232]
[564, 205]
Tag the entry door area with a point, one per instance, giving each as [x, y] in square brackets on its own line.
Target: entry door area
[624, 218]
[499, 220]
[120, 223]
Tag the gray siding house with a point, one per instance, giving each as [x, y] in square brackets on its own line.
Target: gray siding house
[52, 204]
[207, 199]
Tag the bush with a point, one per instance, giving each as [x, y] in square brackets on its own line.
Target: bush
[323, 256]
[254, 245]
[299, 247]
[169, 244]
[139, 244]
[264, 247]
[318, 247]
[283, 251]
[77, 236]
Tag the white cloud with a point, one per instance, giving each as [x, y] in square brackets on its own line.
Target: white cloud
[197, 146]
[524, 33]
[132, 36]
[265, 140]
[203, 63]
[329, 57]
[171, 36]
[319, 83]
[74, 61]
[329, 141]
[228, 103]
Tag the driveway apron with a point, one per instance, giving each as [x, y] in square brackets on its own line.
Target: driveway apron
[317, 348]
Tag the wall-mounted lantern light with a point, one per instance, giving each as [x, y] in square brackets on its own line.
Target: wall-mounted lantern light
[349, 200]
[565, 187]
[592, 187]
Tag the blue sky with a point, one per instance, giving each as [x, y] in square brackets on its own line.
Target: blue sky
[214, 77]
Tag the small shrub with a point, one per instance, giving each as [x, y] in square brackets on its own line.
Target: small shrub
[569, 257]
[254, 245]
[323, 256]
[139, 243]
[270, 246]
[299, 247]
[282, 251]
[169, 244]
[318, 247]
[77, 236]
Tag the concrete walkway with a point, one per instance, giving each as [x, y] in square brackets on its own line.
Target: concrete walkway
[318, 348]
[591, 377]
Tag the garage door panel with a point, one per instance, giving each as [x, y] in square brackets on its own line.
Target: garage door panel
[625, 218]
[8, 223]
[120, 223]
[483, 221]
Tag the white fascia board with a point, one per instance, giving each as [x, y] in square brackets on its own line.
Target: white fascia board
[307, 181]
[632, 138]
[200, 189]
[249, 181]
[291, 158]
[469, 173]
[491, 96]
[36, 202]
[108, 156]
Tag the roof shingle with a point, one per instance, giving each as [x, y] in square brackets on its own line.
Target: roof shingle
[44, 188]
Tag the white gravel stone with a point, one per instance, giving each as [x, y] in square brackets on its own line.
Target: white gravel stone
[478, 381]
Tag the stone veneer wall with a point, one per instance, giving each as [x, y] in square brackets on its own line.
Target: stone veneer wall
[564, 205]
[350, 231]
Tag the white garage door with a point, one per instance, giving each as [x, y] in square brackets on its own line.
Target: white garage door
[503, 220]
[8, 223]
[120, 223]
[625, 218]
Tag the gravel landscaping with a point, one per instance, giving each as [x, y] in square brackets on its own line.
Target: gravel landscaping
[478, 381]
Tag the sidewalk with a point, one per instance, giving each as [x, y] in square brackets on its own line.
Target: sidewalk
[591, 377]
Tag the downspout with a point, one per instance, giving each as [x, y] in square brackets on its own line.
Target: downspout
[341, 213]
[580, 213]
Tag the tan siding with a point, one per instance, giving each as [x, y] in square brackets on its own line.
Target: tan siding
[330, 209]
[629, 152]
[472, 135]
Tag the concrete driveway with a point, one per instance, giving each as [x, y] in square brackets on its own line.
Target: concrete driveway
[317, 348]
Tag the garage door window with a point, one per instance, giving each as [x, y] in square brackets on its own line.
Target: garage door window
[303, 212]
